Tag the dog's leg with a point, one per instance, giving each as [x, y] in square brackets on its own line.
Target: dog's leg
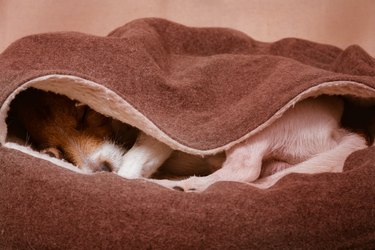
[144, 158]
[272, 166]
[329, 161]
[243, 164]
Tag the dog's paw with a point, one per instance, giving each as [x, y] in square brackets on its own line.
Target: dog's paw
[130, 172]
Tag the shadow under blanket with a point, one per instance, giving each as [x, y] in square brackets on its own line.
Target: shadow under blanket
[200, 91]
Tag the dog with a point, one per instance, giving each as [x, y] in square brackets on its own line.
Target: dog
[307, 138]
[62, 128]
[71, 131]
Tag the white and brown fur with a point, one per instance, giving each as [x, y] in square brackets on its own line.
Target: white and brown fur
[71, 131]
[67, 130]
[308, 138]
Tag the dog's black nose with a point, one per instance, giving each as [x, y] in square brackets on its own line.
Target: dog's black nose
[105, 166]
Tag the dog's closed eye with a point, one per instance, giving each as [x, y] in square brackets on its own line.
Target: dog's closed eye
[53, 152]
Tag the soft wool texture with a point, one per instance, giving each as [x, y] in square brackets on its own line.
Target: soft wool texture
[199, 90]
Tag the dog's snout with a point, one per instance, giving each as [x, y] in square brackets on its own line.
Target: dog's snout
[105, 166]
[99, 166]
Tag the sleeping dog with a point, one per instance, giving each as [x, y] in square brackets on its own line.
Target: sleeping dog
[71, 131]
[306, 139]
[55, 125]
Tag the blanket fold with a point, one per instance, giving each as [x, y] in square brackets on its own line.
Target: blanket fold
[201, 91]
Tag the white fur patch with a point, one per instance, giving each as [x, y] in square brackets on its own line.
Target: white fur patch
[107, 152]
[144, 158]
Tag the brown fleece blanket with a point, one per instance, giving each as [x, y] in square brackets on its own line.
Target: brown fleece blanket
[199, 90]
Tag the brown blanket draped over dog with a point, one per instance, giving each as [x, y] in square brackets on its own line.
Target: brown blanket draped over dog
[199, 90]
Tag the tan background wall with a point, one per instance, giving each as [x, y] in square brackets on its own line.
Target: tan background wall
[337, 22]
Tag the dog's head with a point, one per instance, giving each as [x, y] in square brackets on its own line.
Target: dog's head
[62, 128]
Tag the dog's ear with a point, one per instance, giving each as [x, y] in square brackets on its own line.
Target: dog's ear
[80, 110]
[94, 119]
